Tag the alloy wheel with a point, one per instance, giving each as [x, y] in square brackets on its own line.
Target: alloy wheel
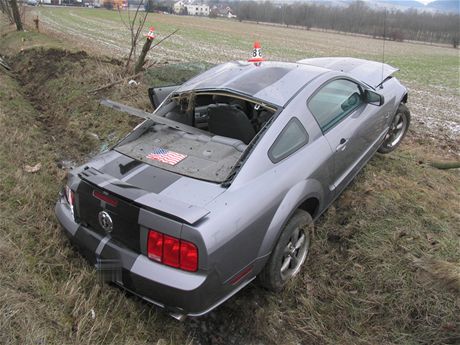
[295, 253]
[396, 131]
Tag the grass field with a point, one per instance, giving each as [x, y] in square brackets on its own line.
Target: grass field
[218, 40]
[430, 72]
[385, 263]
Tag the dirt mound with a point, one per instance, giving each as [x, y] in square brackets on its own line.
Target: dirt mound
[56, 82]
[39, 64]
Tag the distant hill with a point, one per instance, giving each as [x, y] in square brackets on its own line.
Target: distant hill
[438, 5]
[445, 5]
[403, 3]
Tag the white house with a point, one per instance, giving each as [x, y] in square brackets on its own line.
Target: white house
[198, 10]
[223, 11]
[178, 6]
[192, 9]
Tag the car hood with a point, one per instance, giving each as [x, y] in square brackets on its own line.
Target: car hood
[180, 196]
[372, 73]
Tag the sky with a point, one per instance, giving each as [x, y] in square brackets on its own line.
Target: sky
[424, 1]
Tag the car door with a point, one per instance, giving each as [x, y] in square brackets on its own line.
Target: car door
[349, 125]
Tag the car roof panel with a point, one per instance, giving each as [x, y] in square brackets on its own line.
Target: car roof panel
[273, 82]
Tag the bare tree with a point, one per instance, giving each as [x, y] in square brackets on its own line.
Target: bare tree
[5, 8]
[16, 15]
[146, 48]
[135, 25]
[356, 18]
[455, 41]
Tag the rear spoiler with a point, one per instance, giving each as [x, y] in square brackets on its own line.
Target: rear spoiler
[162, 204]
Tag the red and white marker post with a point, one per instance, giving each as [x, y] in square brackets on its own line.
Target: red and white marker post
[151, 34]
[256, 53]
[145, 49]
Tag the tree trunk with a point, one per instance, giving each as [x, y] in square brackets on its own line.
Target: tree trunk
[16, 16]
[141, 60]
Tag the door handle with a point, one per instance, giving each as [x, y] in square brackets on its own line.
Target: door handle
[342, 145]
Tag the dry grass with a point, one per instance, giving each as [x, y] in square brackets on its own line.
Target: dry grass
[430, 72]
[443, 273]
[382, 268]
[48, 294]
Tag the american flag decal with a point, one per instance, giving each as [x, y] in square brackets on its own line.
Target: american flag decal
[166, 156]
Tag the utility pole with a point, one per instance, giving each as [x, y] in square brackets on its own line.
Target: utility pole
[16, 15]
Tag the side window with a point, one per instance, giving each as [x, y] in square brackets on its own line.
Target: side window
[334, 101]
[291, 138]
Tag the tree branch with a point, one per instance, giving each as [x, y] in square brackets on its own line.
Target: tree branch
[163, 39]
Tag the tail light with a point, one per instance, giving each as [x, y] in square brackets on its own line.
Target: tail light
[188, 256]
[70, 198]
[172, 251]
[155, 245]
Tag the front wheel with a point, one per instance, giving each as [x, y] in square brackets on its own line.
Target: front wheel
[290, 252]
[397, 131]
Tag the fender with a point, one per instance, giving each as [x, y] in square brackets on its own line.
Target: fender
[292, 200]
[396, 89]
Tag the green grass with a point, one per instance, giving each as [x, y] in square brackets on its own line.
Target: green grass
[12, 44]
[204, 39]
[433, 71]
[373, 275]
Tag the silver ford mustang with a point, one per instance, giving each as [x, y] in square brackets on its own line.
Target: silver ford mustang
[223, 181]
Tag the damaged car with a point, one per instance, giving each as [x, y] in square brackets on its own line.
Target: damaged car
[223, 181]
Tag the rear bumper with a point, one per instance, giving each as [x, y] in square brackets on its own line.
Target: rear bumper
[180, 292]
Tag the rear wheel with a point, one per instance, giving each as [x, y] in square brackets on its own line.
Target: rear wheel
[397, 131]
[290, 252]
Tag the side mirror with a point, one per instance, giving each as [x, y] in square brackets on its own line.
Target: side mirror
[374, 98]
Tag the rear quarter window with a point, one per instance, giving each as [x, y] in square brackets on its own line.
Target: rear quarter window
[291, 138]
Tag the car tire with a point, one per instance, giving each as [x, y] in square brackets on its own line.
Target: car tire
[398, 129]
[289, 253]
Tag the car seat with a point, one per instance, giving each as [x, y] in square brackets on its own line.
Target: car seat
[229, 121]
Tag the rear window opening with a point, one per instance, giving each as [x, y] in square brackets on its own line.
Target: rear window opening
[225, 124]
[220, 114]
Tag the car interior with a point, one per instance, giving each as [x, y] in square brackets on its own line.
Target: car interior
[222, 114]
[223, 126]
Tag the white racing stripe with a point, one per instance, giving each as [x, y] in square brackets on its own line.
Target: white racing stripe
[102, 244]
[135, 172]
[106, 183]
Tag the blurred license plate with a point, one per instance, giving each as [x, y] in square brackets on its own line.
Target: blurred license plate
[108, 270]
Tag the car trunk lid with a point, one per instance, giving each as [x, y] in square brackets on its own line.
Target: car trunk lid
[133, 207]
[124, 215]
[131, 195]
